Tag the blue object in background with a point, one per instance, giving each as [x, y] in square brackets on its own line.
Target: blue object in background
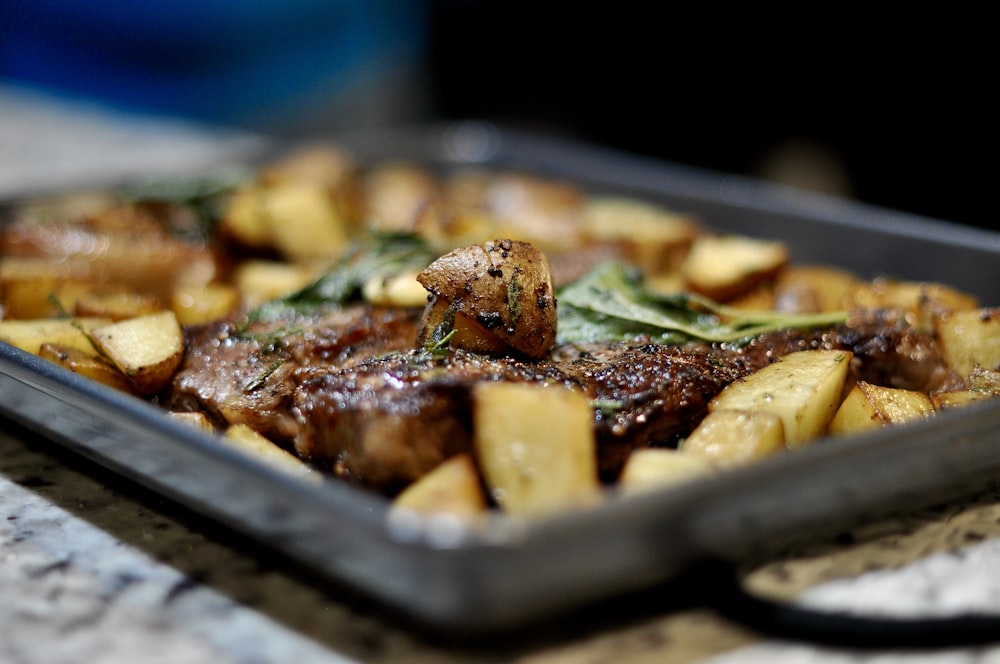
[234, 62]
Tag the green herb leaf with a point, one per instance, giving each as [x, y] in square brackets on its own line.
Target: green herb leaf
[610, 303]
[384, 256]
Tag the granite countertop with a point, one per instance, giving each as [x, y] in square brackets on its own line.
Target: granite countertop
[96, 569]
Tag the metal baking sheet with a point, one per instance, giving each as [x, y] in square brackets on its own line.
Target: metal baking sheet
[507, 573]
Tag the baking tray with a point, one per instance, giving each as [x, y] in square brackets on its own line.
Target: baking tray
[506, 573]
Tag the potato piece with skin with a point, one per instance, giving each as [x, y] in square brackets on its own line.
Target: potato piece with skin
[504, 286]
[656, 238]
[124, 247]
[723, 267]
[653, 468]
[398, 290]
[970, 338]
[87, 364]
[960, 398]
[147, 349]
[535, 447]
[243, 218]
[32, 287]
[869, 406]
[115, 304]
[814, 288]
[30, 297]
[194, 418]
[304, 221]
[804, 389]
[981, 384]
[736, 437]
[454, 487]
[924, 303]
[29, 335]
[195, 305]
[251, 442]
[259, 280]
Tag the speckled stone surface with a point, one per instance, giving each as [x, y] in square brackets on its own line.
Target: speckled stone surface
[93, 569]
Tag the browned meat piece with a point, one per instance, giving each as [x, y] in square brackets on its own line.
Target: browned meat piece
[333, 388]
[385, 422]
[249, 376]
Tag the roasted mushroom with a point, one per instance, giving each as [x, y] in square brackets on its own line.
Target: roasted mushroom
[495, 297]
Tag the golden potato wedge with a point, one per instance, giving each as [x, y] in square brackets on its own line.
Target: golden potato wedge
[804, 389]
[453, 487]
[243, 218]
[960, 398]
[251, 442]
[652, 468]
[398, 290]
[29, 335]
[87, 364]
[761, 297]
[535, 446]
[656, 239]
[148, 349]
[323, 164]
[32, 287]
[924, 303]
[259, 280]
[399, 197]
[736, 437]
[195, 305]
[123, 248]
[304, 221]
[870, 406]
[115, 304]
[814, 288]
[970, 338]
[724, 266]
[31, 297]
[195, 419]
[542, 212]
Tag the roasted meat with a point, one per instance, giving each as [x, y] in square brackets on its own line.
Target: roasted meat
[240, 374]
[349, 392]
[387, 420]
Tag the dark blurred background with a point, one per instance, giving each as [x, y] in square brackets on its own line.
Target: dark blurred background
[894, 110]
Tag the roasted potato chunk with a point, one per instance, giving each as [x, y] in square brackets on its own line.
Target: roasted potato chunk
[814, 288]
[195, 305]
[300, 220]
[87, 364]
[535, 447]
[654, 238]
[260, 280]
[735, 437]
[724, 267]
[923, 303]
[29, 335]
[251, 442]
[453, 487]
[115, 304]
[870, 406]
[971, 338]
[147, 349]
[652, 468]
[804, 389]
